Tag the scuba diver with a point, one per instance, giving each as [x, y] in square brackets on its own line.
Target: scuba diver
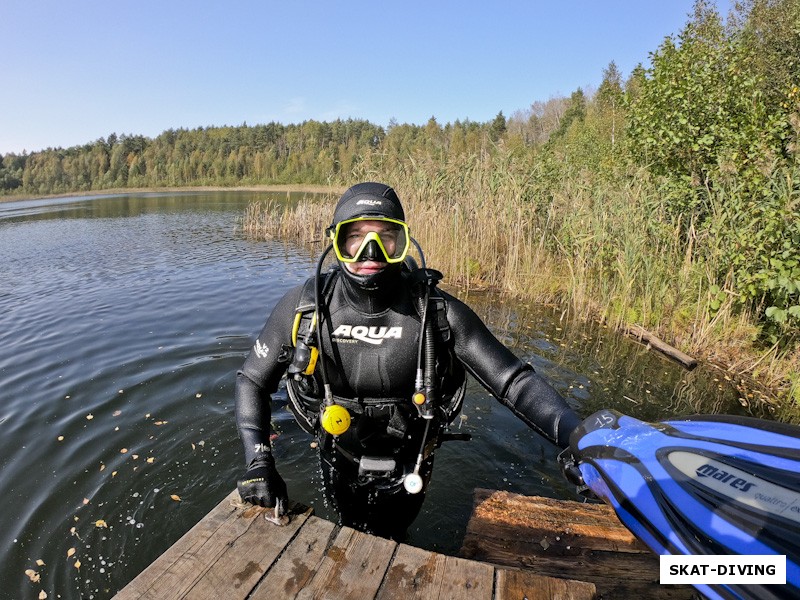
[376, 359]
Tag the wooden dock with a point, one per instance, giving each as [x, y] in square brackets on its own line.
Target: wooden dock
[234, 553]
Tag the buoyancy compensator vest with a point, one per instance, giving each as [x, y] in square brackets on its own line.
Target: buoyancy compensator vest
[442, 395]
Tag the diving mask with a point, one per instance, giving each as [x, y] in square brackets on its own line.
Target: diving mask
[370, 238]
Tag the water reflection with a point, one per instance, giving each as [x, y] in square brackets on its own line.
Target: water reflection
[603, 369]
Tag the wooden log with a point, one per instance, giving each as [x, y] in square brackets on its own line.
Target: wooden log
[564, 539]
[644, 336]
[615, 575]
[557, 525]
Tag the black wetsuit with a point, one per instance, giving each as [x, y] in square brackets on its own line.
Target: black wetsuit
[370, 342]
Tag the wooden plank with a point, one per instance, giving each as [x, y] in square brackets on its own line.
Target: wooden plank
[298, 563]
[466, 579]
[245, 559]
[414, 574]
[352, 569]
[513, 584]
[188, 544]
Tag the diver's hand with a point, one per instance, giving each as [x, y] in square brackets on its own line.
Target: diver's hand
[263, 486]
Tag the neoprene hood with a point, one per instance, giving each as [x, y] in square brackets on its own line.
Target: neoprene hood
[369, 199]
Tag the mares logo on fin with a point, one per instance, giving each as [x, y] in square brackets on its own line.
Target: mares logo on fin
[370, 335]
[739, 483]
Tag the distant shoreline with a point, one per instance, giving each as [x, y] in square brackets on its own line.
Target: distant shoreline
[288, 187]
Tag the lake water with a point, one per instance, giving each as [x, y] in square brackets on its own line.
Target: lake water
[123, 319]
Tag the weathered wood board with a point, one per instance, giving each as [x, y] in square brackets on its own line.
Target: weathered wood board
[565, 539]
[234, 553]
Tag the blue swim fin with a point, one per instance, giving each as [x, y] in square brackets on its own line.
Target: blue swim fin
[698, 485]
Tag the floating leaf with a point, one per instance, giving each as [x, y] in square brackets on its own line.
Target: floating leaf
[147, 416]
[32, 575]
[42, 595]
[40, 562]
[102, 467]
[70, 552]
[100, 523]
[89, 417]
[113, 473]
[61, 438]
[175, 497]
[117, 413]
[85, 501]
[78, 564]
[160, 423]
[135, 456]
[198, 395]
[123, 451]
[150, 459]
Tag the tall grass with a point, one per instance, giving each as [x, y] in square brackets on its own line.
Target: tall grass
[303, 222]
[599, 248]
[604, 248]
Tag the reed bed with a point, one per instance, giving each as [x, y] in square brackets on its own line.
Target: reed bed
[585, 245]
[605, 249]
[303, 222]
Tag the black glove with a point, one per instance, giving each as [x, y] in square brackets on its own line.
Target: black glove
[262, 485]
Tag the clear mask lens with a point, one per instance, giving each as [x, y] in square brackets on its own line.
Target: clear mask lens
[382, 240]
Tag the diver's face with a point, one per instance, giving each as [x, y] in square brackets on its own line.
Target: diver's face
[354, 237]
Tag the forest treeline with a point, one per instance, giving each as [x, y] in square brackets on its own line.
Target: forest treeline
[671, 195]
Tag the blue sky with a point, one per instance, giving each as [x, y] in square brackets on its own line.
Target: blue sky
[73, 72]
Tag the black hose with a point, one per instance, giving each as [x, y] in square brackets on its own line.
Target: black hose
[317, 304]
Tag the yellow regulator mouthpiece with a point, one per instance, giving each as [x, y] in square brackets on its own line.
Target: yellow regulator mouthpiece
[335, 419]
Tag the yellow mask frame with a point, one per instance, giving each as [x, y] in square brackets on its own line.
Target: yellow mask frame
[402, 242]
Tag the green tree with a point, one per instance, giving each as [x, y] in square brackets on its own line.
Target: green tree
[610, 98]
[575, 113]
[498, 127]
